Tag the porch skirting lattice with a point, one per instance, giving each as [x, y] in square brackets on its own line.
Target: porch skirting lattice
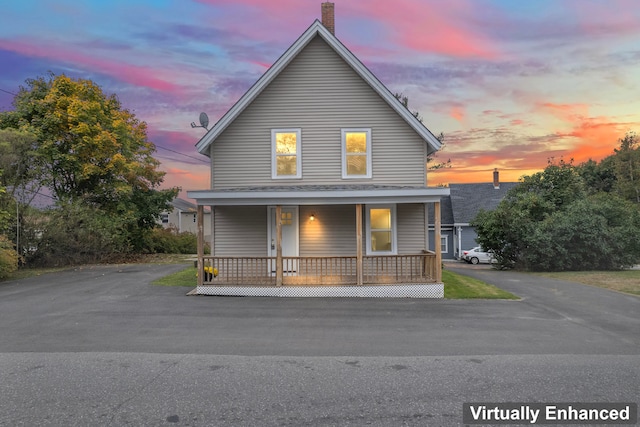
[430, 290]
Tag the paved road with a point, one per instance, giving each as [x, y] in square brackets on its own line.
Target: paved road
[100, 346]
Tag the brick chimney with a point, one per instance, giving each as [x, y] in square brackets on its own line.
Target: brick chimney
[496, 179]
[328, 17]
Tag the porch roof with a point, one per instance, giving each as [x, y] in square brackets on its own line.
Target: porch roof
[317, 195]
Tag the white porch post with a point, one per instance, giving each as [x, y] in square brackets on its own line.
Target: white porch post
[279, 266]
[200, 243]
[359, 275]
[437, 240]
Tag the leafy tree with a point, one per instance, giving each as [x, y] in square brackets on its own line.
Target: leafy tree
[548, 222]
[627, 167]
[90, 147]
[21, 164]
[598, 177]
[88, 150]
[4, 202]
[596, 233]
[559, 184]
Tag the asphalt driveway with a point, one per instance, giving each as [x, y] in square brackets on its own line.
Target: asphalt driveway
[101, 346]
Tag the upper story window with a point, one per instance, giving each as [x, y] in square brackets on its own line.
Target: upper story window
[356, 153]
[286, 157]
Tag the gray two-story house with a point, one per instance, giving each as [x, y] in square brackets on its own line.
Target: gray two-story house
[319, 184]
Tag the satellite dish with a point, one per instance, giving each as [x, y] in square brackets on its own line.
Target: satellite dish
[204, 121]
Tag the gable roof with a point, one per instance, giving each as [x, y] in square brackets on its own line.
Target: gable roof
[468, 199]
[316, 29]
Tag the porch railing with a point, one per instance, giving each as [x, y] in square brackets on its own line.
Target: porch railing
[313, 271]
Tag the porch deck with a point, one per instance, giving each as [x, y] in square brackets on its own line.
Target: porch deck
[321, 271]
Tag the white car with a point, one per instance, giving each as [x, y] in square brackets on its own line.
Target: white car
[477, 255]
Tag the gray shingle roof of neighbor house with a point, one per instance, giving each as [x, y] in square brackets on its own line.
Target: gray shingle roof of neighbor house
[468, 199]
[319, 30]
[446, 213]
[183, 205]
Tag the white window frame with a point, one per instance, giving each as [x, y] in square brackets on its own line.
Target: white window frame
[394, 229]
[445, 240]
[344, 153]
[274, 168]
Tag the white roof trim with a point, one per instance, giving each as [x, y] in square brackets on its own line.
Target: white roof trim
[315, 29]
[327, 197]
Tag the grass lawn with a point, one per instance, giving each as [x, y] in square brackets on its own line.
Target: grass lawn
[186, 277]
[25, 272]
[627, 281]
[455, 285]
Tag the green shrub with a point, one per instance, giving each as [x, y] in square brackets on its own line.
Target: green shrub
[169, 241]
[8, 258]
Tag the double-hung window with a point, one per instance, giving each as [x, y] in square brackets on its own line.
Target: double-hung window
[356, 153]
[444, 244]
[286, 154]
[381, 230]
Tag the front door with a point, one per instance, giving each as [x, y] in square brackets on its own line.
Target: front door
[289, 237]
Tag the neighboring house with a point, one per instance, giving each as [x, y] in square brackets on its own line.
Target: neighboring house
[461, 207]
[183, 218]
[318, 183]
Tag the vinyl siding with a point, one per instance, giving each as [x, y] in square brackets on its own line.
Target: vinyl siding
[410, 228]
[469, 238]
[320, 94]
[333, 233]
[241, 231]
[450, 254]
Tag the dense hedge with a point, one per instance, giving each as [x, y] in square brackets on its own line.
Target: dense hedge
[8, 257]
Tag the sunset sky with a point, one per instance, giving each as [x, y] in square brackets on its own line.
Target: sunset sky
[511, 83]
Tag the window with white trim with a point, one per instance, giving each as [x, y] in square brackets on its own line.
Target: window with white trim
[286, 154]
[356, 153]
[381, 229]
[444, 244]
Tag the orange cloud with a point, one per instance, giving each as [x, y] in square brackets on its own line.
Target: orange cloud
[596, 139]
[457, 113]
[566, 112]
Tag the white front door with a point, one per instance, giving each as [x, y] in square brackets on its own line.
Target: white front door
[289, 236]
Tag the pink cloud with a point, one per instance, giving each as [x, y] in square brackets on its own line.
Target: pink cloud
[606, 18]
[194, 178]
[139, 76]
[438, 28]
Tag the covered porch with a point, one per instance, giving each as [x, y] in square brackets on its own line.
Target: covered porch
[363, 272]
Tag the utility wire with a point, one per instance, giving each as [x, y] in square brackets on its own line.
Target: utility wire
[10, 93]
[186, 155]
